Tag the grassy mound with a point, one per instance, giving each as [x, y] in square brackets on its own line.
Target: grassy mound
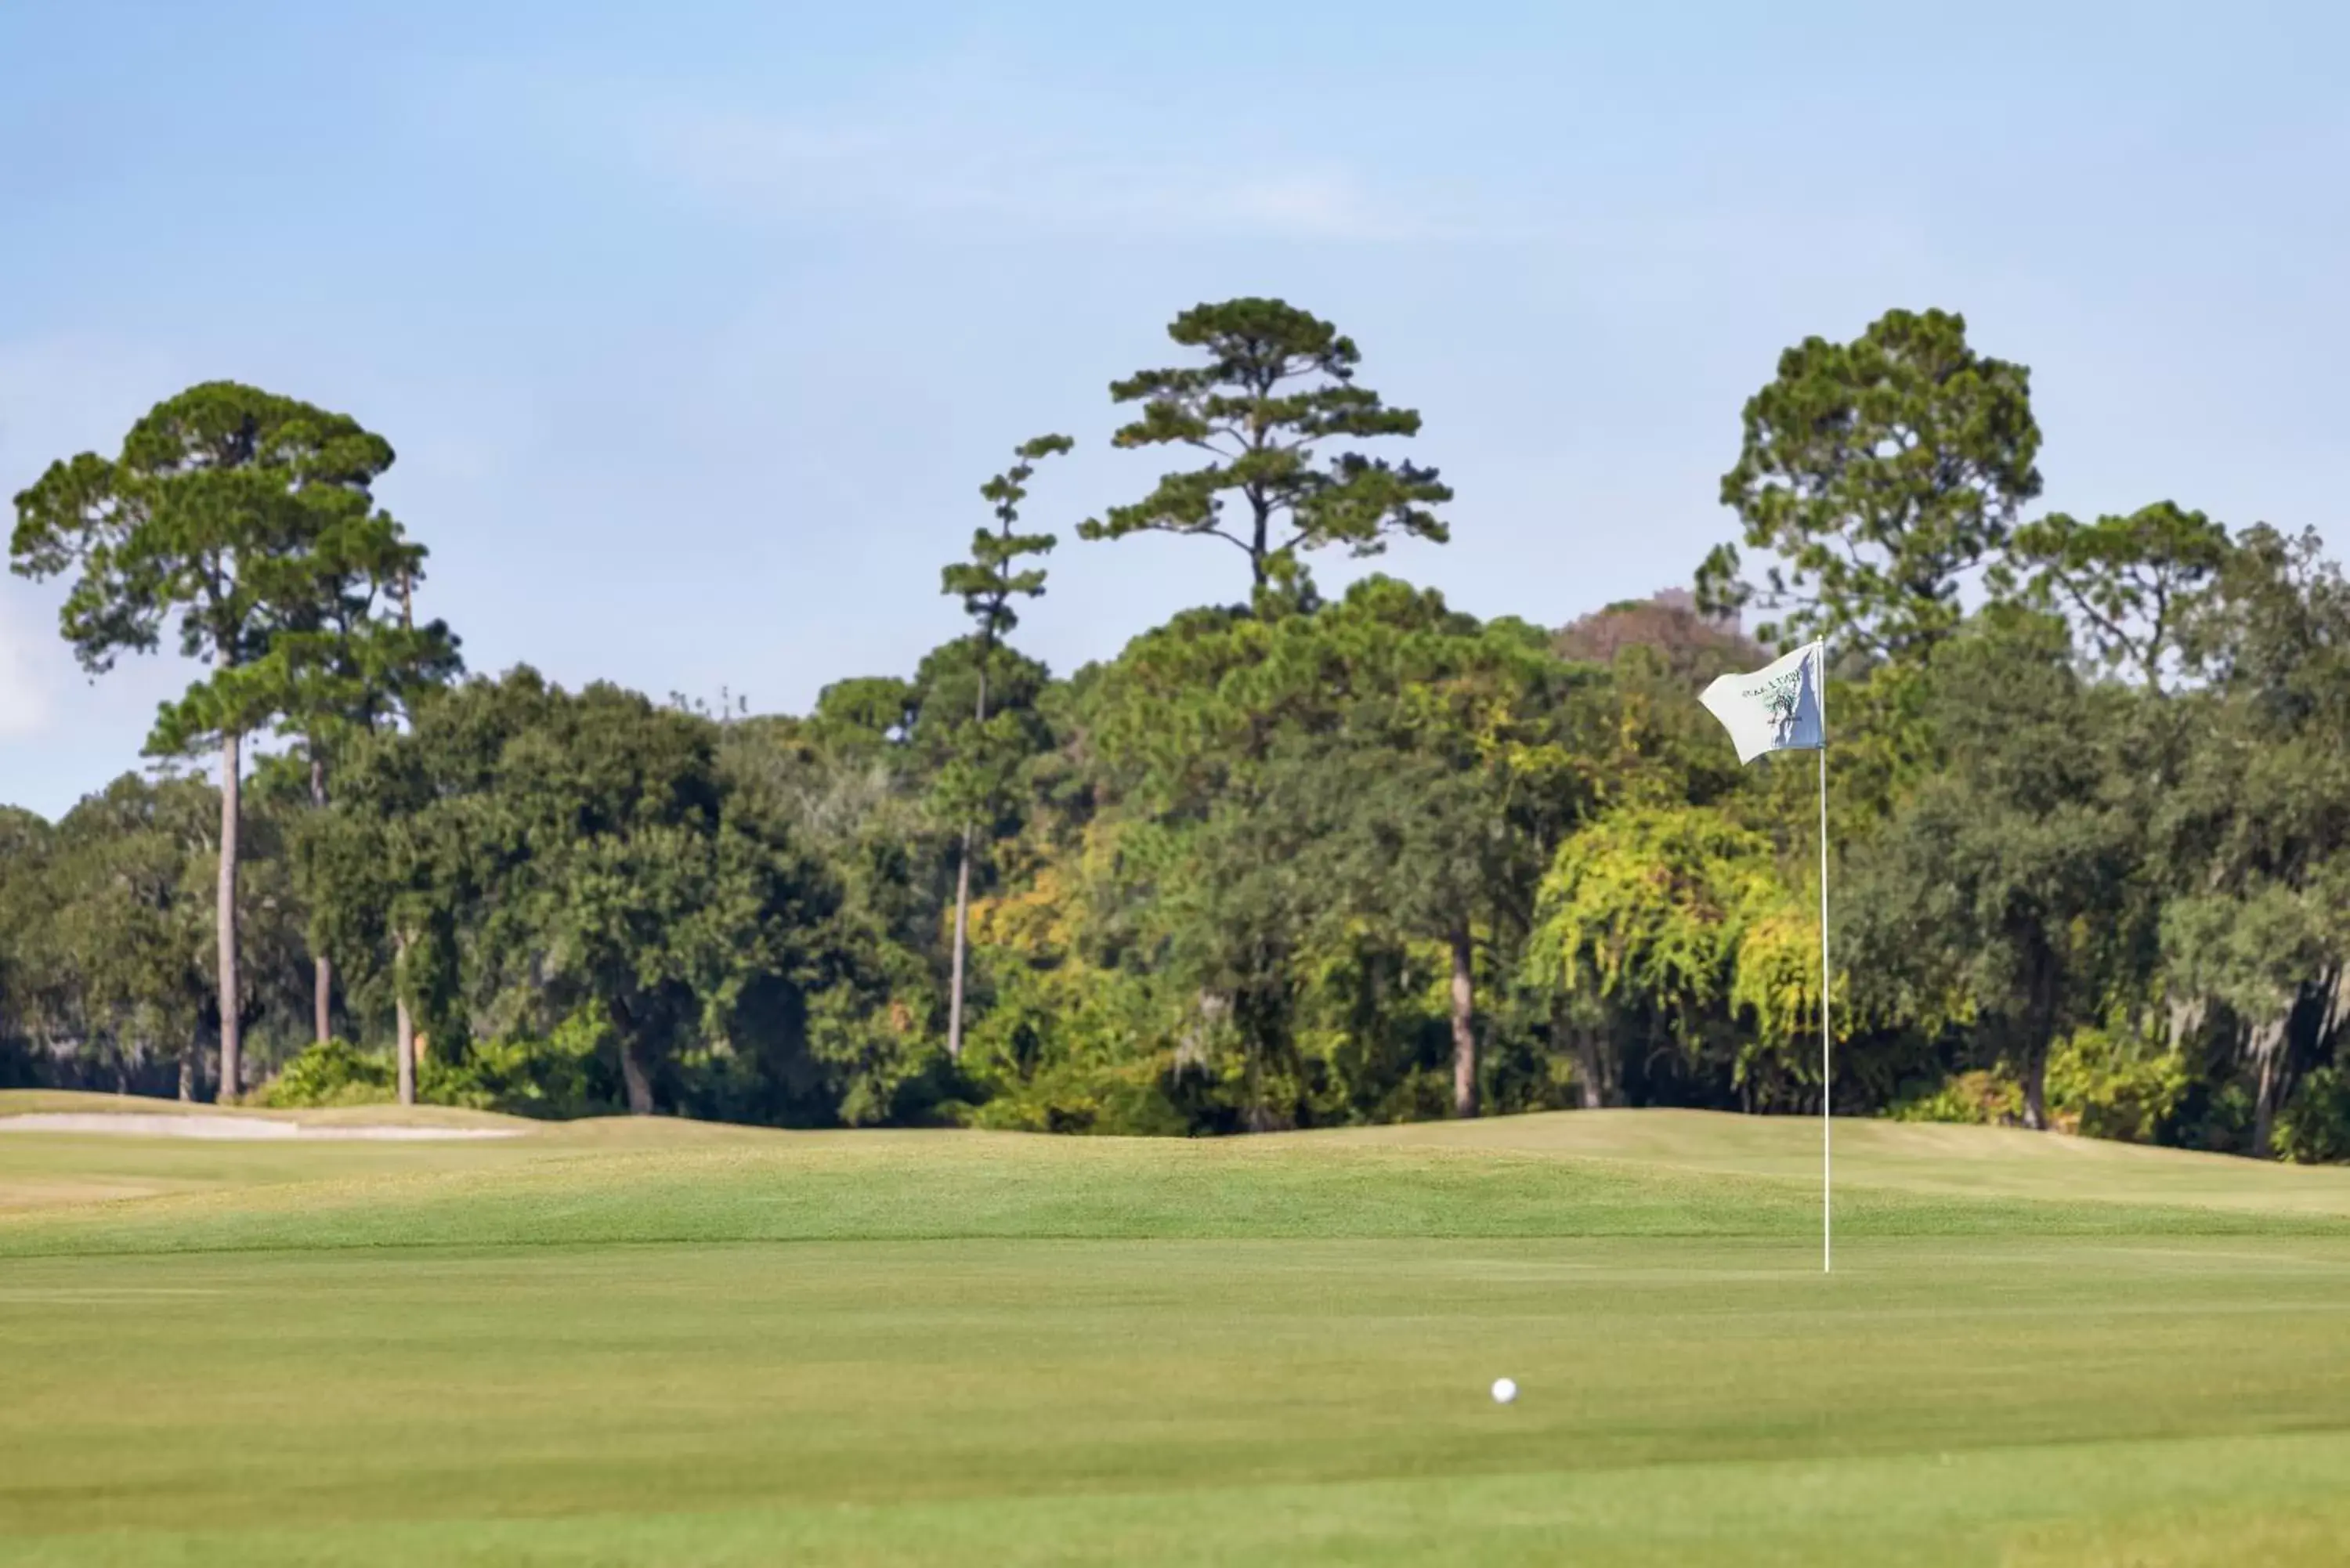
[632, 1344]
[982, 1186]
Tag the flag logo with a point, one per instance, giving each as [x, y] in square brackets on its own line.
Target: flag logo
[1785, 701]
[1775, 709]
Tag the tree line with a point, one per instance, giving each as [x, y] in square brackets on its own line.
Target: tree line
[1293, 860]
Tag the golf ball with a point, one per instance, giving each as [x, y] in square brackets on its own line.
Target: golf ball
[1505, 1390]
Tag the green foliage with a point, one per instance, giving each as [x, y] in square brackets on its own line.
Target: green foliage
[975, 787]
[241, 515]
[1127, 1099]
[2253, 952]
[1302, 863]
[1278, 383]
[249, 519]
[561, 857]
[1881, 473]
[993, 577]
[1775, 993]
[554, 1075]
[2253, 823]
[331, 1072]
[1304, 799]
[1646, 908]
[2132, 583]
[107, 921]
[2315, 1128]
[2003, 889]
[865, 715]
[1671, 927]
[1978, 1096]
[2105, 1084]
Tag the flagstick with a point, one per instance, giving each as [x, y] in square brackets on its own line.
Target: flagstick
[1762, 711]
[1828, 1135]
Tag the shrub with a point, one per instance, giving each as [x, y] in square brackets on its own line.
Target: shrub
[542, 1077]
[2218, 1120]
[2104, 1086]
[2314, 1128]
[1980, 1096]
[1084, 1099]
[525, 1075]
[330, 1073]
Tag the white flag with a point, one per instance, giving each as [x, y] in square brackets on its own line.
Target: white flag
[1777, 709]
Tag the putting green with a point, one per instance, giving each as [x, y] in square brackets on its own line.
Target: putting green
[620, 1343]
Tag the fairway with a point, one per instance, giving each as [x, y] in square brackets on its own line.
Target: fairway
[619, 1342]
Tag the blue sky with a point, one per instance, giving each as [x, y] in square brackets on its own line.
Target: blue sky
[697, 326]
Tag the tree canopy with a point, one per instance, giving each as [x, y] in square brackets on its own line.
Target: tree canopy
[1881, 473]
[248, 519]
[1278, 385]
[1303, 860]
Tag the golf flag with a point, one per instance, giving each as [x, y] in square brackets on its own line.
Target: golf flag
[1777, 709]
[1782, 707]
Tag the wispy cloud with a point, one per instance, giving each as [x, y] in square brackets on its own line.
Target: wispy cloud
[933, 146]
[923, 170]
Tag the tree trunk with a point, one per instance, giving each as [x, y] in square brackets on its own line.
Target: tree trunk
[632, 1074]
[403, 1049]
[231, 1077]
[403, 1037]
[1464, 1033]
[634, 1079]
[2264, 1109]
[322, 988]
[2041, 1022]
[963, 895]
[187, 1072]
[2266, 1043]
[2036, 1090]
[322, 977]
[1590, 1069]
[403, 1025]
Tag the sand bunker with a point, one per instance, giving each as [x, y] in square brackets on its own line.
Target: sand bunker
[215, 1126]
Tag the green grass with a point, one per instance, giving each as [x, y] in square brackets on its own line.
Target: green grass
[617, 1343]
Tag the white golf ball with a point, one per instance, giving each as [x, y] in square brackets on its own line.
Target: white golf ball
[1505, 1390]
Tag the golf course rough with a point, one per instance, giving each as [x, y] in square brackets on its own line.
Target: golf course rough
[620, 1343]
